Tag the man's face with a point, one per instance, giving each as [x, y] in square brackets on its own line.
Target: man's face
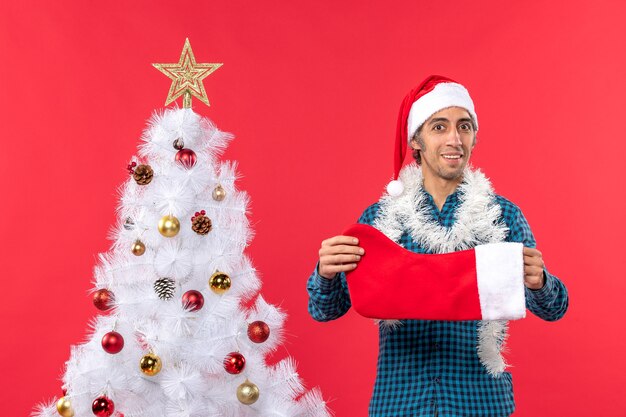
[448, 138]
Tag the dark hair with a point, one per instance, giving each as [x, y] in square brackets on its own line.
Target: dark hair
[416, 152]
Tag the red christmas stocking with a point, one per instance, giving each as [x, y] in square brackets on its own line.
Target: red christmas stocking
[390, 282]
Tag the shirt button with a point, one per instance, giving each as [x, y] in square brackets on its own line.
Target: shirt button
[436, 346]
[436, 380]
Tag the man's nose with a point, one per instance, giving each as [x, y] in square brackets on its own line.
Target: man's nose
[454, 138]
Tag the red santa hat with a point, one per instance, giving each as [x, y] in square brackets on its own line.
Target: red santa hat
[391, 282]
[433, 94]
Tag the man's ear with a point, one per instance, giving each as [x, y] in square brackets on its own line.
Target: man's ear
[414, 144]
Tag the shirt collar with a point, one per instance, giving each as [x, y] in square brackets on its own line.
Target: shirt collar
[451, 200]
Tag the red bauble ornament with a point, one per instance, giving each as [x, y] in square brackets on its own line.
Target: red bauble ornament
[103, 406]
[193, 300]
[112, 342]
[258, 331]
[234, 363]
[186, 157]
[103, 299]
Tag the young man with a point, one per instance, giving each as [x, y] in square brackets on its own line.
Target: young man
[439, 204]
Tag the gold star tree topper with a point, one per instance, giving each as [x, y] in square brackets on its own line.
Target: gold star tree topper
[187, 76]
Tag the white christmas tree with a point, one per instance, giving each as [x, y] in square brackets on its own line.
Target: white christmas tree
[175, 338]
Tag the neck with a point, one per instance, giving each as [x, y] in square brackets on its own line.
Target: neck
[440, 188]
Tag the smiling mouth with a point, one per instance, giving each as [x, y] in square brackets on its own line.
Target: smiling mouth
[452, 156]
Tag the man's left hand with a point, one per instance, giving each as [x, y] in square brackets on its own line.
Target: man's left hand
[533, 269]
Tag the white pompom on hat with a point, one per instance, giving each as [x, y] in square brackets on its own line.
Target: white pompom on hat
[433, 94]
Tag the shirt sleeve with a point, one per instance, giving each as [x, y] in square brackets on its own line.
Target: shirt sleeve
[550, 302]
[329, 299]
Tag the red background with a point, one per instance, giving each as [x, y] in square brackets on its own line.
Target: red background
[311, 92]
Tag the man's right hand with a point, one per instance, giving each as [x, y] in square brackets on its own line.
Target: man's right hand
[339, 254]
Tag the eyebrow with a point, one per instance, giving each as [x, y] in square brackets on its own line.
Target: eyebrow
[443, 119]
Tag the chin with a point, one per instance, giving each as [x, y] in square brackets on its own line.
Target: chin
[452, 175]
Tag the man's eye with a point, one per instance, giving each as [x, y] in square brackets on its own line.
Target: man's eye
[437, 127]
[465, 126]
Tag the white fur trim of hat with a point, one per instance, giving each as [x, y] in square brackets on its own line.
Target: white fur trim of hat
[442, 96]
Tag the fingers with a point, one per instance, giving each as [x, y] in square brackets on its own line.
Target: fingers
[339, 259]
[331, 270]
[533, 268]
[532, 263]
[533, 258]
[533, 271]
[531, 252]
[339, 254]
[341, 249]
[341, 245]
[340, 240]
[534, 282]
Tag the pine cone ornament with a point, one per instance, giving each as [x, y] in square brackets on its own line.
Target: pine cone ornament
[200, 223]
[165, 288]
[143, 174]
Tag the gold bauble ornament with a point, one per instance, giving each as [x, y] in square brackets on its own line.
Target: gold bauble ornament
[219, 282]
[247, 393]
[219, 193]
[138, 248]
[64, 407]
[169, 226]
[150, 364]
